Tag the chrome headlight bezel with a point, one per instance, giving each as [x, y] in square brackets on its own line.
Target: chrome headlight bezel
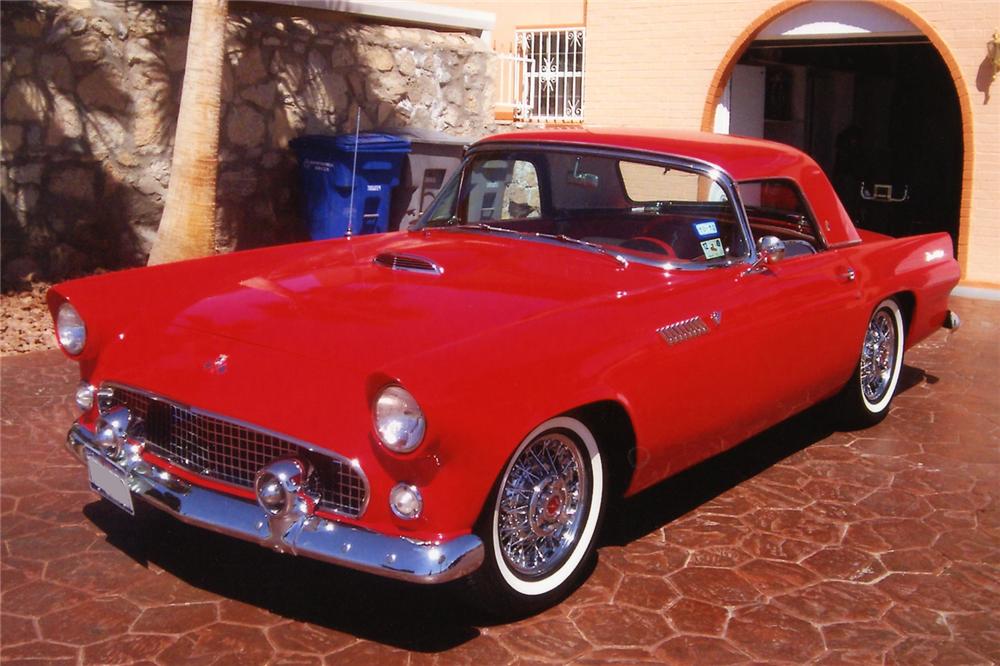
[71, 331]
[398, 421]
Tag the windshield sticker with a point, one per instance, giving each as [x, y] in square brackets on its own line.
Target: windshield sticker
[713, 248]
[706, 228]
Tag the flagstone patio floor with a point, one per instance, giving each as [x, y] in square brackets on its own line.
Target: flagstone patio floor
[805, 544]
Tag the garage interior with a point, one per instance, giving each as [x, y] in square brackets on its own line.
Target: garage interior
[881, 117]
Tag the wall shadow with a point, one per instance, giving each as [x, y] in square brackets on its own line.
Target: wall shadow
[321, 72]
[78, 190]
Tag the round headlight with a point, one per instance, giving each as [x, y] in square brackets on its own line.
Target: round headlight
[70, 329]
[399, 422]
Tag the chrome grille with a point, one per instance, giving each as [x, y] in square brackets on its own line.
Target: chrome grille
[233, 452]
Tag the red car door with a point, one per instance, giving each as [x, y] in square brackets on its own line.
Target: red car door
[766, 345]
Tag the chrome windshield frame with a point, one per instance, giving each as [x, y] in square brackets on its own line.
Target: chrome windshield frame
[711, 171]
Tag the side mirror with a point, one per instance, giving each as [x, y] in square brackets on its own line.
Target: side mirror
[770, 250]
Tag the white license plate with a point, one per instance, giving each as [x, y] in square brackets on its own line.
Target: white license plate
[109, 483]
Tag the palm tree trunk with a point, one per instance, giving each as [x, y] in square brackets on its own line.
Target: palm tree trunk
[187, 228]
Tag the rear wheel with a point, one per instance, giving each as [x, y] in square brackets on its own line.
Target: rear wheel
[868, 395]
[540, 529]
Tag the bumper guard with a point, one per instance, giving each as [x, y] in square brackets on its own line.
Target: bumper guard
[310, 536]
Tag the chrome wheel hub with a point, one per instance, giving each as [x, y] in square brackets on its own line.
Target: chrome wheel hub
[547, 508]
[878, 356]
[543, 501]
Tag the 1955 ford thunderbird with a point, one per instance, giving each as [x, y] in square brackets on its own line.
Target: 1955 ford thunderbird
[577, 316]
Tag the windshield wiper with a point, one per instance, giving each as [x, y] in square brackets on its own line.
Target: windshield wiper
[489, 227]
[563, 238]
[722, 262]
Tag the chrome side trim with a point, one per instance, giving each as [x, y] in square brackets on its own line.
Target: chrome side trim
[684, 329]
[353, 463]
[407, 262]
[325, 540]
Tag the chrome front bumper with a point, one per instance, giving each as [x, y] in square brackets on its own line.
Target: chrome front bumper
[310, 536]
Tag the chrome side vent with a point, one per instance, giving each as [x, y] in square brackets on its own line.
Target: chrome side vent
[407, 262]
[682, 330]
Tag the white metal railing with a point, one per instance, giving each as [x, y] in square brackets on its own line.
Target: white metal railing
[553, 75]
[512, 98]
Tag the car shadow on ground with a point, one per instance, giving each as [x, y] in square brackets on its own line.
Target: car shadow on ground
[668, 500]
[382, 610]
[411, 617]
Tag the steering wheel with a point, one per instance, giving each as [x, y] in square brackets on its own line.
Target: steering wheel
[649, 244]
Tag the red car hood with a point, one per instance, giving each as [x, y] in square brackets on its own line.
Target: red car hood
[331, 301]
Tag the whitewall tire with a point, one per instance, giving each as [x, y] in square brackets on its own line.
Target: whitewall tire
[540, 528]
[869, 394]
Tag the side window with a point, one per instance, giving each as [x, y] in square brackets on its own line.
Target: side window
[499, 189]
[521, 199]
[777, 208]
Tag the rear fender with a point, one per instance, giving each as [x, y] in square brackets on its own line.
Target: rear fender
[924, 267]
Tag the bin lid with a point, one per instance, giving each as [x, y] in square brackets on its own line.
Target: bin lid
[373, 142]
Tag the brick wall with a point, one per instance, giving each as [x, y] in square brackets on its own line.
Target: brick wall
[653, 64]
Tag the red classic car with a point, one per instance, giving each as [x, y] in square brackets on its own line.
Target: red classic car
[578, 316]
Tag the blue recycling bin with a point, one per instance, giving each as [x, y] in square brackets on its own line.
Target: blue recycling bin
[325, 165]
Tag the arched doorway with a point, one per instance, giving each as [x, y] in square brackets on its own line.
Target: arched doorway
[867, 89]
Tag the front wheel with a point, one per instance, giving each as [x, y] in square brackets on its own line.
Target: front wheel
[869, 393]
[540, 530]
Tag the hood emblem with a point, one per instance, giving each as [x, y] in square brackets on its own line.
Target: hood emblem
[218, 366]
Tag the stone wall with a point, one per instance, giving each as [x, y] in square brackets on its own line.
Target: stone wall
[90, 99]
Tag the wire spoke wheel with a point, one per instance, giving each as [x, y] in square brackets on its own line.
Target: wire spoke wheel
[867, 397]
[542, 505]
[540, 528]
[878, 356]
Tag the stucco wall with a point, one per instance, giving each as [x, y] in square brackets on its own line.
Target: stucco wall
[512, 15]
[652, 64]
[89, 106]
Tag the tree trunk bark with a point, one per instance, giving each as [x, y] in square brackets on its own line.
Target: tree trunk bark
[187, 228]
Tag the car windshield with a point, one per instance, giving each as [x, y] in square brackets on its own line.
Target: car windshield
[634, 208]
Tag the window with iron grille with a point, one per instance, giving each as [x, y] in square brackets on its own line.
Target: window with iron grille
[553, 61]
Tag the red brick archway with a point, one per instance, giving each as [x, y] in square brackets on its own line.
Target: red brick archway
[739, 47]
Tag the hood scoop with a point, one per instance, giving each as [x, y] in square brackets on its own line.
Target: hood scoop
[407, 262]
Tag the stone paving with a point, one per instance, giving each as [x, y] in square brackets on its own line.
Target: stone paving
[803, 545]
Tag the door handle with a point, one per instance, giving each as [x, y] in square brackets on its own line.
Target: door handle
[848, 275]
